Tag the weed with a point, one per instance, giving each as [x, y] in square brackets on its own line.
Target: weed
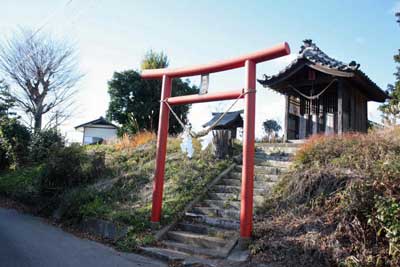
[350, 185]
[133, 141]
[114, 182]
[21, 184]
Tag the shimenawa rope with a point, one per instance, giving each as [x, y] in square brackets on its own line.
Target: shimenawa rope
[212, 126]
[314, 96]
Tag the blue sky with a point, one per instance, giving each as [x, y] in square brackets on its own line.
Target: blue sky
[114, 35]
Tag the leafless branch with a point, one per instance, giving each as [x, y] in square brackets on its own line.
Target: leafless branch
[44, 71]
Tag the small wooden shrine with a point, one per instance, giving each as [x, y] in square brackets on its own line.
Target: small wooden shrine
[323, 95]
[231, 121]
[225, 131]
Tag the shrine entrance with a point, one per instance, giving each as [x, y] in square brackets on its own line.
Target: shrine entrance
[323, 95]
[248, 94]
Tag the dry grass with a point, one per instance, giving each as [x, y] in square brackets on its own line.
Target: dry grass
[349, 183]
[133, 141]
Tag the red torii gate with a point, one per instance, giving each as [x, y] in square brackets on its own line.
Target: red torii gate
[248, 93]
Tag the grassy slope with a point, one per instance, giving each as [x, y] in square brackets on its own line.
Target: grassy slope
[20, 184]
[338, 206]
[123, 193]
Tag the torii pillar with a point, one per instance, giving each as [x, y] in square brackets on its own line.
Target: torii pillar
[248, 61]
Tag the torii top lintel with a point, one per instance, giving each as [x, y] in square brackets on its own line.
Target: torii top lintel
[257, 57]
[248, 93]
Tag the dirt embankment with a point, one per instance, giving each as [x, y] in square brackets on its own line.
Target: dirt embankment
[338, 206]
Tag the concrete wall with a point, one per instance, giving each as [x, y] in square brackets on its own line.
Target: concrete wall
[98, 132]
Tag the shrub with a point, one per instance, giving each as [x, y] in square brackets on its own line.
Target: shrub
[70, 167]
[4, 160]
[351, 184]
[387, 220]
[97, 208]
[21, 184]
[14, 142]
[43, 143]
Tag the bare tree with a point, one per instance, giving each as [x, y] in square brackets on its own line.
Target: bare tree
[44, 71]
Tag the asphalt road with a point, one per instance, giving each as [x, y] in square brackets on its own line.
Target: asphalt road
[27, 241]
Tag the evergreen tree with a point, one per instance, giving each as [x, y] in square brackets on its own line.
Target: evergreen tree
[271, 129]
[154, 60]
[135, 102]
[6, 101]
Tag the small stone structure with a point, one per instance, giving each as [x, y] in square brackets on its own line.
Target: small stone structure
[225, 131]
[104, 229]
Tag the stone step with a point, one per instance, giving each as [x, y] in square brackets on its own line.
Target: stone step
[193, 227]
[197, 240]
[174, 257]
[262, 185]
[271, 178]
[224, 196]
[258, 201]
[272, 163]
[210, 229]
[226, 189]
[204, 229]
[217, 212]
[234, 182]
[287, 144]
[276, 149]
[195, 250]
[262, 155]
[223, 223]
[279, 157]
[257, 177]
[223, 204]
[260, 190]
[164, 254]
[260, 170]
[236, 197]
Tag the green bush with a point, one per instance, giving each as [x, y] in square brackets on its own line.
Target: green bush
[387, 220]
[43, 143]
[14, 142]
[74, 200]
[69, 167]
[97, 208]
[5, 161]
[21, 184]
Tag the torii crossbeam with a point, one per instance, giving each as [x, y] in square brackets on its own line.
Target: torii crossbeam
[248, 93]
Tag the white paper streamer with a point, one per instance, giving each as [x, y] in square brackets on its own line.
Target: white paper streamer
[186, 145]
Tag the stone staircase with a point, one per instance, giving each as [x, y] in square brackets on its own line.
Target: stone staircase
[211, 227]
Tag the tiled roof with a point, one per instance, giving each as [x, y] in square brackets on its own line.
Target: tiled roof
[227, 120]
[99, 121]
[310, 53]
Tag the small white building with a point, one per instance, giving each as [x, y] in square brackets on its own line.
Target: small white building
[97, 131]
